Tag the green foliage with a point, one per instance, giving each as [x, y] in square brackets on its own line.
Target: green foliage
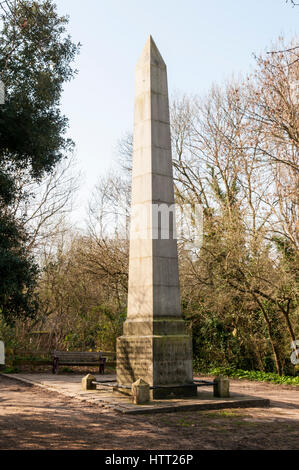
[96, 329]
[34, 64]
[255, 375]
[11, 370]
[18, 273]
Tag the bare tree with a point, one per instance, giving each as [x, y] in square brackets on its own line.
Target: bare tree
[109, 206]
[46, 204]
[220, 162]
[275, 104]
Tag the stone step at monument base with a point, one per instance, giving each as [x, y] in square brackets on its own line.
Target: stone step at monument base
[165, 392]
[174, 391]
[161, 361]
[156, 327]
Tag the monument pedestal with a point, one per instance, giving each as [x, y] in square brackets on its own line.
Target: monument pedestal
[163, 361]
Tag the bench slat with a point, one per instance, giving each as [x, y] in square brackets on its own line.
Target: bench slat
[77, 356]
[77, 353]
[69, 363]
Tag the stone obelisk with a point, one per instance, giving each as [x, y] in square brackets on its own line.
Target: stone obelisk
[154, 345]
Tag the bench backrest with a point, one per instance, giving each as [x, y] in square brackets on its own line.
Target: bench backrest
[77, 356]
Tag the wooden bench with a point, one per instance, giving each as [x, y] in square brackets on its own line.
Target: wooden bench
[76, 358]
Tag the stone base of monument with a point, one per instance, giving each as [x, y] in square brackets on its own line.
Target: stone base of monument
[174, 391]
[164, 392]
[164, 362]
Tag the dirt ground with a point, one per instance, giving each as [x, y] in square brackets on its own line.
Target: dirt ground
[32, 418]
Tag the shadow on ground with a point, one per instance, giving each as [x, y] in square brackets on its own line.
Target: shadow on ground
[31, 418]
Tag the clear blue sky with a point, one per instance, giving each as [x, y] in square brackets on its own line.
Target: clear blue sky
[201, 41]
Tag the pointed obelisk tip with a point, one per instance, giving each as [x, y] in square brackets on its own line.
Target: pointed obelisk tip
[150, 39]
[151, 53]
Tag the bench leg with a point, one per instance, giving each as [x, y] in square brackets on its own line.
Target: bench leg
[55, 365]
[102, 366]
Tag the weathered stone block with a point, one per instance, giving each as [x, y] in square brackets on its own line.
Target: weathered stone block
[221, 387]
[2, 353]
[140, 392]
[159, 361]
[87, 382]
